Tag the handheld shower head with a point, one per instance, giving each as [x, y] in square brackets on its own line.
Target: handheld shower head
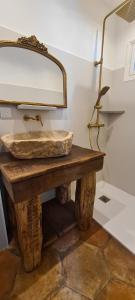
[103, 91]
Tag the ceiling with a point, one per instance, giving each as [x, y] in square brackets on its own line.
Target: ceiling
[113, 3]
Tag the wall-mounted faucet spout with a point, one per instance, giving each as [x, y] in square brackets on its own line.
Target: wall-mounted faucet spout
[36, 118]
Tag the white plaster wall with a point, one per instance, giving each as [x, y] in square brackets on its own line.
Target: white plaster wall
[68, 25]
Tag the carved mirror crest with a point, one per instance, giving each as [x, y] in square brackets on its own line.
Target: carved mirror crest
[30, 75]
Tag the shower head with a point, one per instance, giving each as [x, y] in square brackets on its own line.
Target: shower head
[103, 91]
[127, 12]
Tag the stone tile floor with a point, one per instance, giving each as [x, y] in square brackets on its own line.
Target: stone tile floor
[78, 266]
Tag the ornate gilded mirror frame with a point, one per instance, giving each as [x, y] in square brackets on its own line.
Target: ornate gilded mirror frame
[32, 43]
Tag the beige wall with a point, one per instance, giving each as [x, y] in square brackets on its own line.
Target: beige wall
[119, 168]
[120, 144]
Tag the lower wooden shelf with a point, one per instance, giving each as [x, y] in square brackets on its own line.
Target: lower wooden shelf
[57, 220]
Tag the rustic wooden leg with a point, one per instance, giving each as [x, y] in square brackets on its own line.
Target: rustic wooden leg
[63, 193]
[28, 217]
[84, 200]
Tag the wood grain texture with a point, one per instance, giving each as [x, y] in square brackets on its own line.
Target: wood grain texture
[84, 200]
[63, 193]
[28, 216]
[17, 170]
[25, 180]
[25, 189]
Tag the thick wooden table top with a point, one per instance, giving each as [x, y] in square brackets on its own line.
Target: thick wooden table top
[16, 170]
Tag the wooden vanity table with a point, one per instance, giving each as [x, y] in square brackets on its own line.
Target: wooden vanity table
[25, 180]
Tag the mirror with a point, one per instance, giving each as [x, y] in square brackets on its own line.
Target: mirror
[30, 75]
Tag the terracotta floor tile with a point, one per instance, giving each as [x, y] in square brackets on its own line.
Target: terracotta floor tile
[86, 270]
[67, 294]
[94, 228]
[39, 284]
[117, 291]
[95, 236]
[9, 264]
[100, 238]
[121, 262]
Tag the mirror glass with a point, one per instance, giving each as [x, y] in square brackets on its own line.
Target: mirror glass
[27, 76]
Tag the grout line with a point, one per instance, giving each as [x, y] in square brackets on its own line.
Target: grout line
[77, 292]
[102, 288]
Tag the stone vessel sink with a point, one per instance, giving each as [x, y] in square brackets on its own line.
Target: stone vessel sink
[39, 144]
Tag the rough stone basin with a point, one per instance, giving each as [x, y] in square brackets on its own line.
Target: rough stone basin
[38, 144]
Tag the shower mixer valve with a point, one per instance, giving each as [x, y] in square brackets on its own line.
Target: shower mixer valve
[95, 125]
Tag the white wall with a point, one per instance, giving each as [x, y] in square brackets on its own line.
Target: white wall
[67, 25]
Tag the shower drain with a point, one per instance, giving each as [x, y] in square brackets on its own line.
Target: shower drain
[104, 199]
